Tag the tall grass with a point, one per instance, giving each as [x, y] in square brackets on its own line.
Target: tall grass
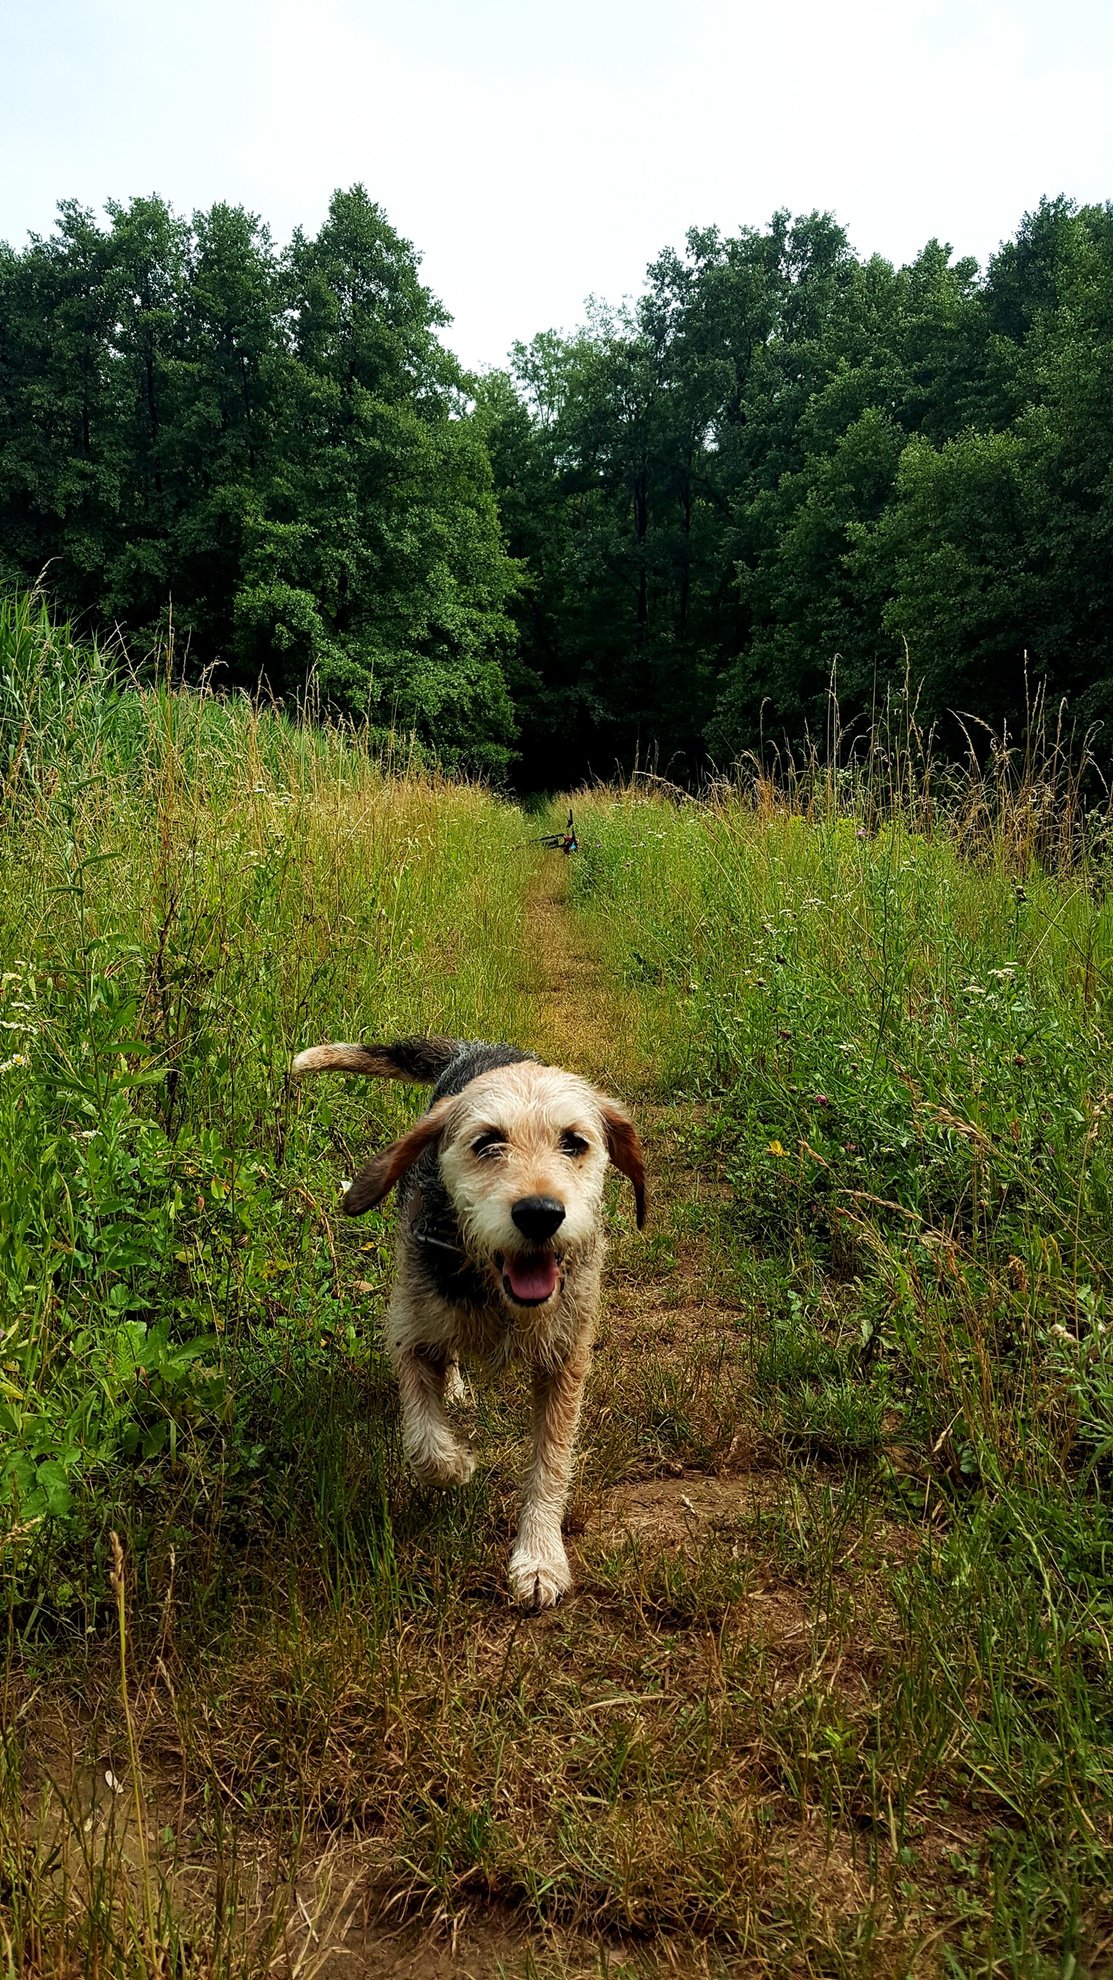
[189, 891]
[905, 1041]
[833, 1694]
[896, 1022]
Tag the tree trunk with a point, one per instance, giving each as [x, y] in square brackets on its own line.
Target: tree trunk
[641, 530]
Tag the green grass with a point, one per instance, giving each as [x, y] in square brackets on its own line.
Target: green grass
[899, 1042]
[189, 892]
[832, 1695]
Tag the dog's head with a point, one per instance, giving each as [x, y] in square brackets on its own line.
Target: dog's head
[522, 1153]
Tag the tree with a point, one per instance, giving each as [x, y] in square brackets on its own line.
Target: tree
[281, 452]
[60, 456]
[233, 376]
[374, 557]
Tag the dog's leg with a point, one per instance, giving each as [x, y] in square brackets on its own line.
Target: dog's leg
[435, 1453]
[539, 1571]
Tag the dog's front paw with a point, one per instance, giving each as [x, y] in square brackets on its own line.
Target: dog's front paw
[539, 1576]
[452, 1466]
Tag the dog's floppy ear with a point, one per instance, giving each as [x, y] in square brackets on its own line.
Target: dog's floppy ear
[625, 1151]
[379, 1175]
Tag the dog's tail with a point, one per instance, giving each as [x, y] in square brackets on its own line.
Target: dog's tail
[421, 1060]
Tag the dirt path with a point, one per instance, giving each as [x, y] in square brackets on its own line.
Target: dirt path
[638, 1500]
[668, 1293]
[573, 1011]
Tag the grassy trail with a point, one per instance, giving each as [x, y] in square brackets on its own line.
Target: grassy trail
[574, 1008]
[686, 1513]
[570, 1010]
[666, 1286]
[830, 1693]
[771, 1439]
[663, 1286]
[872, 1790]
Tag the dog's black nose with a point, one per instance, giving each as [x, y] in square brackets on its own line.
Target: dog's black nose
[537, 1217]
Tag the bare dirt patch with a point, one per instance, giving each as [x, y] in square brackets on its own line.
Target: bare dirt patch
[682, 1511]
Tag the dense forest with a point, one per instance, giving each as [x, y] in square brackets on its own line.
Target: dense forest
[665, 534]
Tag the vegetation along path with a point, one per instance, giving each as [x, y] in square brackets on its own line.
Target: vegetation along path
[701, 1648]
[832, 1692]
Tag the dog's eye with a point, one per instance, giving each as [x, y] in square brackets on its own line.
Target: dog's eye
[572, 1143]
[489, 1142]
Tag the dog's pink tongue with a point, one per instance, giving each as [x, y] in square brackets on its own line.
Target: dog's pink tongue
[532, 1278]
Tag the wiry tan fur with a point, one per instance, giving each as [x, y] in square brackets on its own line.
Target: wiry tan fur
[535, 1108]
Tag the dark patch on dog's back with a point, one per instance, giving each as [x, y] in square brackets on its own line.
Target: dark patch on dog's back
[446, 1064]
[421, 1059]
[473, 1057]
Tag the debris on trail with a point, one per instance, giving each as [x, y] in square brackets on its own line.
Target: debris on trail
[565, 842]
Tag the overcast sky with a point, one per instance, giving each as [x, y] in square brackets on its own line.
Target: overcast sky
[539, 154]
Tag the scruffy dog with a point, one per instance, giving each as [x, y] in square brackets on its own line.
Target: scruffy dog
[500, 1250]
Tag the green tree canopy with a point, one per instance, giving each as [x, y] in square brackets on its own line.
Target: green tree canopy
[276, 449]
[659, 538]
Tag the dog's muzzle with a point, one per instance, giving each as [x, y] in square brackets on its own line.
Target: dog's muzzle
[530, 1278]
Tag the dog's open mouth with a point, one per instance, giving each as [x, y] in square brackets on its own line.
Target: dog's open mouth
[530, 1278]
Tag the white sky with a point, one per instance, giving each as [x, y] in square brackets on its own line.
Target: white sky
[536, 155]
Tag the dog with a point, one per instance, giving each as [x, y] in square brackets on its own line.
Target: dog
[500, 1251]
